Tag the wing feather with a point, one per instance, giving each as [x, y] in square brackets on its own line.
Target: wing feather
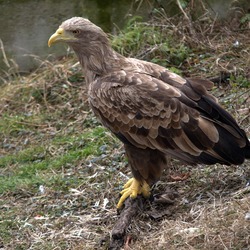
[154, 108]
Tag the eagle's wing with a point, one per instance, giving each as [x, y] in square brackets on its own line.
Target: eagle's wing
[166, 112]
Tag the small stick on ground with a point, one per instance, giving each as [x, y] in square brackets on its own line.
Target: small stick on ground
[190, 24]
[118, 234]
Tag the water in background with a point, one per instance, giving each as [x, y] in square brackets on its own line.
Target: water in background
[26, 25]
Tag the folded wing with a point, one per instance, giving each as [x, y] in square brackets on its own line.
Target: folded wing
[157, 109]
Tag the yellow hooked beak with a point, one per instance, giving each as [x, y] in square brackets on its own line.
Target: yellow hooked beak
[60, 36]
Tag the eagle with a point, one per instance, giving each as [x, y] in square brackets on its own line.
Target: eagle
[153, 111]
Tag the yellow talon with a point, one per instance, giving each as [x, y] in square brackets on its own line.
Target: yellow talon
[133, 188]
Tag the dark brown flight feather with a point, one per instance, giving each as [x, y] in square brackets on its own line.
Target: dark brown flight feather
[153, 111]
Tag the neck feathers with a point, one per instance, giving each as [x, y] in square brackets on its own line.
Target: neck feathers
[98, 59]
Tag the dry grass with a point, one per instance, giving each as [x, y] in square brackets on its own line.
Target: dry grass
[219, 225]
[209, 214]
[61, 172]
[201, 218]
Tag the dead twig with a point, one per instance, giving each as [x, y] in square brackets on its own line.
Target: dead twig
[190, 24]
[4, 54]
[118, 234]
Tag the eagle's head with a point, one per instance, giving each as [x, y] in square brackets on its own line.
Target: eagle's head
[78, 31]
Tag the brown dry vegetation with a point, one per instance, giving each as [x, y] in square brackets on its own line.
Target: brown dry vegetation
[61, 172]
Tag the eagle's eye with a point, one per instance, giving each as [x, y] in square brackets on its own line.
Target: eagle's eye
[75, 31]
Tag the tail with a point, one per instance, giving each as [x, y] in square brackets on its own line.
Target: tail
[228, 151]
[230, 148]
[233, 145]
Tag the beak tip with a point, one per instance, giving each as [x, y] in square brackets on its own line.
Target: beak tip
[56, 37]
[51, 40]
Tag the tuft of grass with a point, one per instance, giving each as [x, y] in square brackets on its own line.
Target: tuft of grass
[150, 42]
[30, 167]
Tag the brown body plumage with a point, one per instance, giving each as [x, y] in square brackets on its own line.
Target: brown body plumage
[153, 111]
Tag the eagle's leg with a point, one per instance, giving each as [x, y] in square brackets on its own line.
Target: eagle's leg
[133, 188]
[146, 166]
